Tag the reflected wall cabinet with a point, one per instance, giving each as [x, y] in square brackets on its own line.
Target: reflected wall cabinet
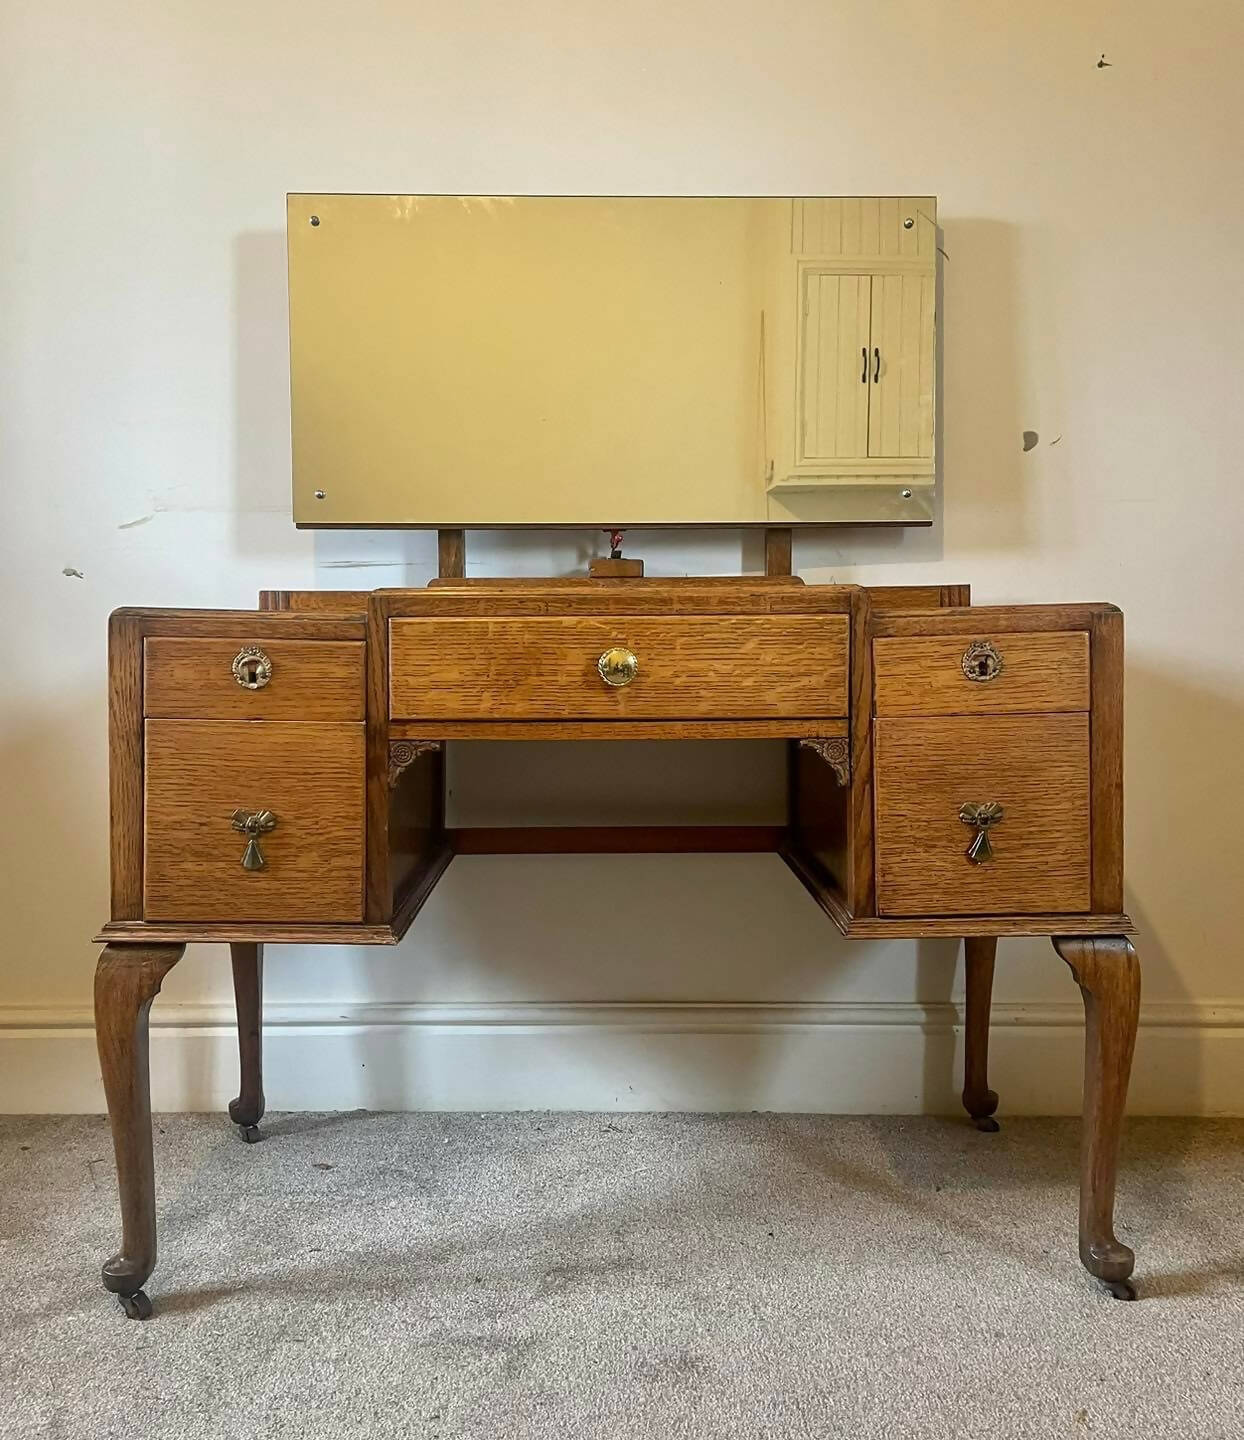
[859, 408]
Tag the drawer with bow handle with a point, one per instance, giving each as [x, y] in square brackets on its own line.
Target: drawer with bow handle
[982, 815]
[253, 822]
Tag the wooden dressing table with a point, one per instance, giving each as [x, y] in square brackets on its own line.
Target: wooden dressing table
[278, 776]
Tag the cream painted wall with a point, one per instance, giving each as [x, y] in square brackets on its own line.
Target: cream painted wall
[1092, 293]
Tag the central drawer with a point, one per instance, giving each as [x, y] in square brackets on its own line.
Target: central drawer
[684, 667]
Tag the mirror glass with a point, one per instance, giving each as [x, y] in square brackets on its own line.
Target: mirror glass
[501, 361]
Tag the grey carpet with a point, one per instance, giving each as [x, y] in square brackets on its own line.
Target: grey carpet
[621, 1276]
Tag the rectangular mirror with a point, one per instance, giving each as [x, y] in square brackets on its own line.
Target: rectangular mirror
[498, 360]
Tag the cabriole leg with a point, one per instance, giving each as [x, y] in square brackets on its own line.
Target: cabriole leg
[1108, 974]
[127, 979]
[978, 1099]
[247, 1110]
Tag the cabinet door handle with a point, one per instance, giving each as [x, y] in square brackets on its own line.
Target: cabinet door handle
[876, 364]
[864, 373]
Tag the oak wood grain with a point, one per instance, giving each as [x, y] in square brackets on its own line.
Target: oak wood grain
[1106, 741]
[1035, 766]
[981, 620]
[247, 961]
[783, 728]
[819, 810]
[326, 602]
[779, 550]
[607, 567]
[378, 906]
[413, 896]
[600, 584]
[917, 597]
[829, 896]
[689, 666]
[1108, 974]
[127, 979]
[416, 820]
[451, 553]
[258, 625]
[125, 763]
[616, 839]
[979, 954]
[160, 932]
[923, 675]
[309, 775]
[860, 882]
[311, 680]
[933, 927]
[663, 598]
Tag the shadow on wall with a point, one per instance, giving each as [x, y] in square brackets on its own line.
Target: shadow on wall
[979, 416]
[978, 397]
[261, 383]
[56, 851]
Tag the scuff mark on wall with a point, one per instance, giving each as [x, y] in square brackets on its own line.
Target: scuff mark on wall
[70, 571]
[358, 564]
[142, 520]
[1103, 63]
[1030, 440]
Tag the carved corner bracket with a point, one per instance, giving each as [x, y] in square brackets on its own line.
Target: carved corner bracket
[836, 753]
[403, 753]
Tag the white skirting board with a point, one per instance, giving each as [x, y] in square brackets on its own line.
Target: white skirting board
[844, 1058]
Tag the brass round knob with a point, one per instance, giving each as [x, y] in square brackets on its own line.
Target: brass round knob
[618, 666]
[251, 668]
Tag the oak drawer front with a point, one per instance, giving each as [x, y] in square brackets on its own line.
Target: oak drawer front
[1030, 672]
[733, 666]
[295, 679]
[1035, 767]
[311, 779]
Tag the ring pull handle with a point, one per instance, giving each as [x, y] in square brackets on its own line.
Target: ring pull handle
[877, 364]
[618, 666]
[251, 668]
[253, 824]
[864, 372]
[982, 818]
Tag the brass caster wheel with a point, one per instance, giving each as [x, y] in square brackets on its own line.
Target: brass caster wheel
[1120, 1289]
[987, 1125]
[250, 1133]
[136, 1306]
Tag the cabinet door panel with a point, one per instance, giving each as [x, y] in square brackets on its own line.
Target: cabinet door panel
[833, 389]
[900, 420]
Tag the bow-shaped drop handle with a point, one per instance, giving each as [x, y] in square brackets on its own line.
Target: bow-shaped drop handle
[982, 817]
[253, 824]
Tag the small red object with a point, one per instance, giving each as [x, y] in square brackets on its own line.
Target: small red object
[615, 544]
